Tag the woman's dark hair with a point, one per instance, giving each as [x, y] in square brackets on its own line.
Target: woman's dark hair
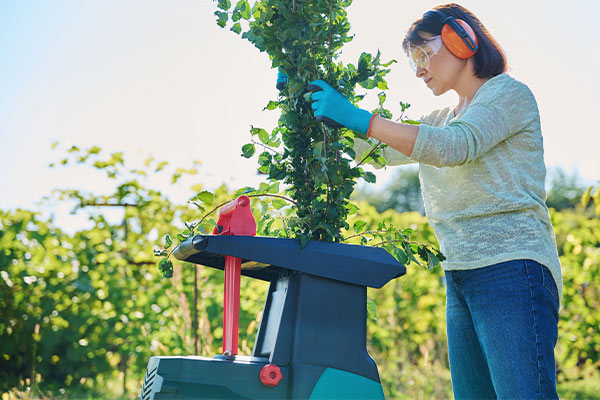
[489, 59]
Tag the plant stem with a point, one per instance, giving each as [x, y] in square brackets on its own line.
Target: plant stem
[250, 195]
[369, 155]
[266, 147]
[273, 195]
[88, 204]
[364, 233]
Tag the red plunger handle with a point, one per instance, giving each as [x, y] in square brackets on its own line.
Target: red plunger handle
[231, 310]
[230, 207]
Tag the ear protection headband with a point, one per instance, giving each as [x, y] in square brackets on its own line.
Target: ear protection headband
[457, 35]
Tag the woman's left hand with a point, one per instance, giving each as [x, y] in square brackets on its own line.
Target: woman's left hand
[330, 103]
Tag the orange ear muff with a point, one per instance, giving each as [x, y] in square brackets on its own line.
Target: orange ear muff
[457, 44]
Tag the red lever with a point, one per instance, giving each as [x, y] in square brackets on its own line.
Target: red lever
[270, 375]
[235, 218]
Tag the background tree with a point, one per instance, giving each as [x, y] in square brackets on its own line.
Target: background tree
[402, 193]
[564, 189]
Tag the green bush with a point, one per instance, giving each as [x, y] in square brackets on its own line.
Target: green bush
[84, 312]
[578, 242]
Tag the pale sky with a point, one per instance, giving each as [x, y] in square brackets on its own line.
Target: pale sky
[157, 77]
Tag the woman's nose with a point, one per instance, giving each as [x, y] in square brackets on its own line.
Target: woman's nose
[420, 72]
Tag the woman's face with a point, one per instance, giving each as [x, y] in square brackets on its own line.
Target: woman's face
[444, 70]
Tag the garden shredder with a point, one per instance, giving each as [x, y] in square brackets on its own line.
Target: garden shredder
[311, 341]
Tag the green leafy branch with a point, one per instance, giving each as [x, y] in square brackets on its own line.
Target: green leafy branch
[314, 162]
[397, 242]
[165, 265]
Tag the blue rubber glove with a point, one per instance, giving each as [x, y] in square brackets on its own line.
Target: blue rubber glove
[330, 103]
[282, 79]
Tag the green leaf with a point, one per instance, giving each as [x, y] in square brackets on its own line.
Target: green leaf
[370, 177]
[257, 131]
[224, 5]
[161, 264]
[168, 241]
[161, 165]
[352, 208]
[278, 204]
[248, 150]
[244, 190]
[432, 260]
[244, 7]
[237, 28]
[94, 150]
[304, 239]
[372, 309]
[318, 149]
[263, 136]
[265, 159]
[368, 84]
[271, 106]
[294, 88]
[205, 197]
[221, 18]
[262, 188]
[166, 267]
[400, 255]
[409, 253]
[359, 226]
[273, 188]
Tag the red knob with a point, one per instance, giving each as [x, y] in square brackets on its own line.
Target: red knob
[270, 375]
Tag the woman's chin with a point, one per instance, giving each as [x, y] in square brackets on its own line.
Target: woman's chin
[437, 91]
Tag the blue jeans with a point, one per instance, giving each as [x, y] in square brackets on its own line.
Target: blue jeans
[502, 326]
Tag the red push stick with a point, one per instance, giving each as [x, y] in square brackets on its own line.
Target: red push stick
[235, 218]
[231, 309]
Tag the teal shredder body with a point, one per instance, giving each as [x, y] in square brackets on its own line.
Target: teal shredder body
[337, 384]
[313, 326]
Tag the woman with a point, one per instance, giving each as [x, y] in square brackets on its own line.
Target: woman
[482, 174]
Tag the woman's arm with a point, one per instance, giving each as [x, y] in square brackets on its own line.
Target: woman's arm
[399, 136]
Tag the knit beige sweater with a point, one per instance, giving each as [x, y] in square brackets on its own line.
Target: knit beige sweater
[482, 177]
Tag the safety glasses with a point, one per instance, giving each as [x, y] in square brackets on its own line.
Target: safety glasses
[419, 56]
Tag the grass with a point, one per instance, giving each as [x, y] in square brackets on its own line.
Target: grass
[583, 389]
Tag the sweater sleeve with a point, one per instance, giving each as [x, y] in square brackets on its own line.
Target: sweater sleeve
[391, 155]
[500, 111]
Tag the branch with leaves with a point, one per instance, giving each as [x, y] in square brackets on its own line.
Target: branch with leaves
[314, 163]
